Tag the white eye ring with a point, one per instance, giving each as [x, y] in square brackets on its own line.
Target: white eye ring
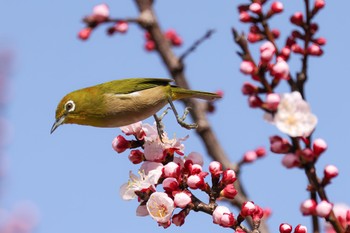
[69, 106]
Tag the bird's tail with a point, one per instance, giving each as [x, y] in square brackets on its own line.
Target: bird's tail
[181, 93]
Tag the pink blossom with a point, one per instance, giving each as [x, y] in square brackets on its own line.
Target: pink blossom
[267, 51]
[254, 37]
[101, 10]
[330, 171]
[120, 144]
[244, 17]
[250, 156]
[320, 41]
[195, 169]
[160, 207]
[319, 4]
[195, 181]
[215, 168]
[319, 146]
[258, 214]
[195, 157]
[285, 228]
[315, 50]
[280, 69]
[247, 67]
[290, 160]
[308, 207]
[342, 213]
[223, 216]
[297, 18]
[277, 7]
[182, 199]
[307, 154]
[121, 27]
[323, 209]
[297, 49]
[171, 169]
[134, 129]
[285, 53]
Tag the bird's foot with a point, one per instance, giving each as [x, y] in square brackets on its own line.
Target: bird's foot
[181, 120]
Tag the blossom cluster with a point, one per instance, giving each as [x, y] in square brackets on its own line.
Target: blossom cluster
[167, 178]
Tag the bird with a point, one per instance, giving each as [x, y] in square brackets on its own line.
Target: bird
[123, 102]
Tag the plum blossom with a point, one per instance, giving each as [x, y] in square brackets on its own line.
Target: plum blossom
[294, 116]
[223, 216]
[160, 207]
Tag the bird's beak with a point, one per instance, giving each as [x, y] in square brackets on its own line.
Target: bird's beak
[58, 122]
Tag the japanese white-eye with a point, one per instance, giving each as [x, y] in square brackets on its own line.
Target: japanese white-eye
[122, 102]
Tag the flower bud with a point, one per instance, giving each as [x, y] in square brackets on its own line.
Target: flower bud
[254, 101]
[320, 41]
[244, 17]
[249, 89]
[247, 209]
[247, 67]
[255, 8]
[319, 146]
[229, 191]
[195, 157]
[195, 169]
[170, 184]
[300, 229]
[330, 171]
[307, 154]
[258, 214]
[223, 216]
[195, 182]
[315, 50]
[136, 156]
[277, 7]
[150, 45]
[182, 199]
[254, 37]
[215, 168]
[297, 18]
[285, 228]
[290, 160]
[276, 33]
[179, 219]
[281, 69]
[323, 209]
[279, 145]
[260, 152]
[308, 207]
[84, 33]
[272, 101]
[297, 49]
[229, 177]
[121, 26]
[285, 53]
[319, 4]
[267, 51]
[120, 144]
[250, 156]
[171, 169]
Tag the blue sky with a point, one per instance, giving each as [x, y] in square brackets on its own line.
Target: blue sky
[73, 176]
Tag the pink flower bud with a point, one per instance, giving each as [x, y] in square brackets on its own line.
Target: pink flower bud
[195, 169]
[247, 209]
[330, 171]
[267, 51]
[313, 28]
[170, 184]
[320, 41]
[182, 199]
[323, 209]
[121, 26]
[307, 154]
[215, 168]
[84, 33]
[300, 229]
[319, 146]
[281, 69]
[297, 18]
[308, 207]
[254, 29]
[195, 157]
[171, 170]
[290, 160]
[315, 50]
[136, 156]
[179, 219]
[244, 17]
[101, 10]
[250, 156]
[249, 89]
[276, 33]
[297, 49]
[260, 152]
[285, 53]
[247, 67]
[223, 216]
[319, 4]
[277, 7]
[195, 182]
[258, 214]
[150, 45]
[229, 191]
[254, 37]
[120, 144]
[255, 8]
[229, 177]
[279, 145]
[254, 101]
[272, 101]
[285, 228]
[348, 216]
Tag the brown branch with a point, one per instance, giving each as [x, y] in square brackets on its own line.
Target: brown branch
[176, 69]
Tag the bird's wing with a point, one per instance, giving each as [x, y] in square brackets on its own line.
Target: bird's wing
[125, 86]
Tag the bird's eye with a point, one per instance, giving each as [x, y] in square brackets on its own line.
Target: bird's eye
[69, 106]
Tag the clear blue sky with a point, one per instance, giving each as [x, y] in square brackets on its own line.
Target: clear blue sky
[73, 176]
